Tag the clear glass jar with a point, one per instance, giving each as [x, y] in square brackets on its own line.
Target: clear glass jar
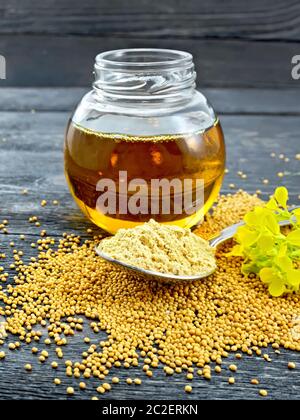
[140, 135]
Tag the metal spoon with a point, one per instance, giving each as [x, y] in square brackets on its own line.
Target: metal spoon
[224, 236]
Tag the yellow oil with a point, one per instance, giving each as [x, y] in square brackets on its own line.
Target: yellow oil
[92, 156]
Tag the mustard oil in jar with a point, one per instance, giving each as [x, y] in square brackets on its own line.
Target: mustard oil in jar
[92, 156]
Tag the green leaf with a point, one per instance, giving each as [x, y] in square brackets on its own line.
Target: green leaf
[281, 196]
[293, 238]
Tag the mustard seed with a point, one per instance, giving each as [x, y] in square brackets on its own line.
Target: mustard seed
[82, 385]
[28, 367]
[254, 381]
[188, 389]
[137, 381]
[70, 391]
[263, 393]
[291, 365]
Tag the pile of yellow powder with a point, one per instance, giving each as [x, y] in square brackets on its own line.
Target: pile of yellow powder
[161, 248]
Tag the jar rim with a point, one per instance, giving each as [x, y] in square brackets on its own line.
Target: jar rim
[143, 58]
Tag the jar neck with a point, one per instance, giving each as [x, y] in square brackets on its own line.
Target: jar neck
[149, 76]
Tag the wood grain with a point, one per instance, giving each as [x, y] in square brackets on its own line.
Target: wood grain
[68, 61]
[260, 19]
[235, 44]
[31, 157]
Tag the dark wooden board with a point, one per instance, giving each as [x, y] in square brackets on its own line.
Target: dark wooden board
[235, 44]
[44, 60]
[258, 19]
[31, 157]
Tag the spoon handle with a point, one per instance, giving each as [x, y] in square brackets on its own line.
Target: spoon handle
[226, 234]
[229, 232]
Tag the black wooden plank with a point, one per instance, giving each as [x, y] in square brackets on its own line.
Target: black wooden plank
[224, 101]
[31, 157]
[258, 19]
[68, 61]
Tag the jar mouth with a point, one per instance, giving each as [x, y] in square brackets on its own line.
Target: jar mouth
[146, 74]
[144, 58]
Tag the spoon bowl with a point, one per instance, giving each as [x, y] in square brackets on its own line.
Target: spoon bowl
[224, 236]
[152, 275]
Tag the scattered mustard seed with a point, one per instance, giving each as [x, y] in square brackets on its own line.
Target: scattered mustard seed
[291, 365]
[28, 367]
[70, 390]
[263, 393]
[233, 368]
[82, 385]
[254, 381]
[137, 381]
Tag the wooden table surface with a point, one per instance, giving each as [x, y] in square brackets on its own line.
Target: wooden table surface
[32, 122]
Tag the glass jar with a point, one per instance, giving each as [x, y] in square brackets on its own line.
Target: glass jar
[144, 143]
